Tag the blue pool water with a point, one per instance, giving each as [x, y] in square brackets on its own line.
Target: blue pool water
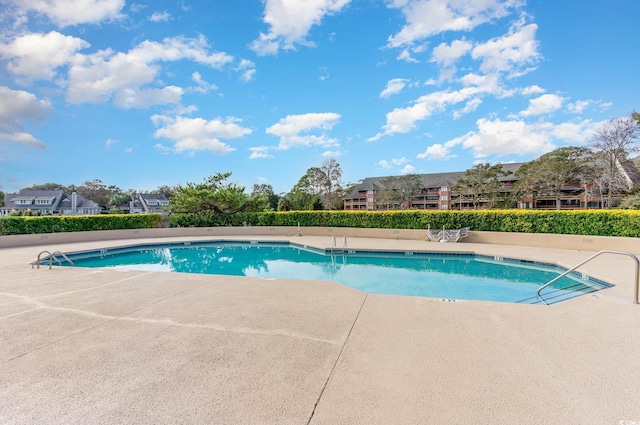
[448, 276]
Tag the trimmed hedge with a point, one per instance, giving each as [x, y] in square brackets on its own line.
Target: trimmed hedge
[625, 223]
[82, 223]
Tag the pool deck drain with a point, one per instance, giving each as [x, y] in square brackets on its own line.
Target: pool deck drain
[86, 346]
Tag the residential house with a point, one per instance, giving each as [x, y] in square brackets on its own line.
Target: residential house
[47, 202]
[147, 203]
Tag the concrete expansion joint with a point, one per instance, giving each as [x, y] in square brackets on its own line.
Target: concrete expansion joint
[94, 287]
[344, 344]
[39, 305]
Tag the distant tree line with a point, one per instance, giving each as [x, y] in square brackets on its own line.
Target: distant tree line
[319, 188]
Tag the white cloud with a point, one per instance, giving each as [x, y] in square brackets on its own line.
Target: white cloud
[17, 106]
[604, 105]
[331, 154]
[247, 70]
[515, 137]
[289, 130]
[399, 161]
[436, 152]
[203, 86]
[127, 77]
[21, 138]
[162, 148]
[407, 169]
[137, 7]
[160, 16]
[128, 98]
[527, 91]
[73, 12]
[405, 55]
[394, 86]
[102, 75]
[403, 120]
[471, 106]
[178, 48]
[37, 56]
[544, 104]
[198, 134]
[290, 22]
[579, 106]
[426, 18]
[579, 132]
[448, 54]
[110, 142]
[260, 152]
[511, 53]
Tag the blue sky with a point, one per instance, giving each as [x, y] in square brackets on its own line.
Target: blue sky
[149, 93]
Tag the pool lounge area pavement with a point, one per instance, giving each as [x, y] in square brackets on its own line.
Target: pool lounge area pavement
[90, 346]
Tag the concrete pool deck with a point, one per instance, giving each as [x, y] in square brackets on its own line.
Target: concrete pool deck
[89, 346]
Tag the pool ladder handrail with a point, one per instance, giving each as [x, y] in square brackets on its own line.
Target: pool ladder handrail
[52, 256]
[334, 244]
[606, 251]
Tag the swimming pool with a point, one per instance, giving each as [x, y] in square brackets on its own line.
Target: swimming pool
[437, 275]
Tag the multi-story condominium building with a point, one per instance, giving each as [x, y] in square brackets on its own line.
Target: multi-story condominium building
[437, 193]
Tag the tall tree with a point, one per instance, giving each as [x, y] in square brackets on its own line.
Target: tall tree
[214, 195]
[549, 174]
[297, 200]
[266, 193]
[96, 191]
[397, 190]
[312, 182]
[118, 199]
[305, 194]
[615, 140]
[165, 190]
[631, 201]
[332, 191]
[322, 183]
[479, 182]
[54, 186]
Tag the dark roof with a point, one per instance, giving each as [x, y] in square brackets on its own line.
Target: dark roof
[58, 200]
[156, 196]
[54, 196]
[428, 180]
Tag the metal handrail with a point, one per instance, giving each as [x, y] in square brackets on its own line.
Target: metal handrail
[52, 256]
[334, 244]
[635, 298]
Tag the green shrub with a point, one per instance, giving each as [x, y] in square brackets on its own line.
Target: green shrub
[82, 223]
[582, 222]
